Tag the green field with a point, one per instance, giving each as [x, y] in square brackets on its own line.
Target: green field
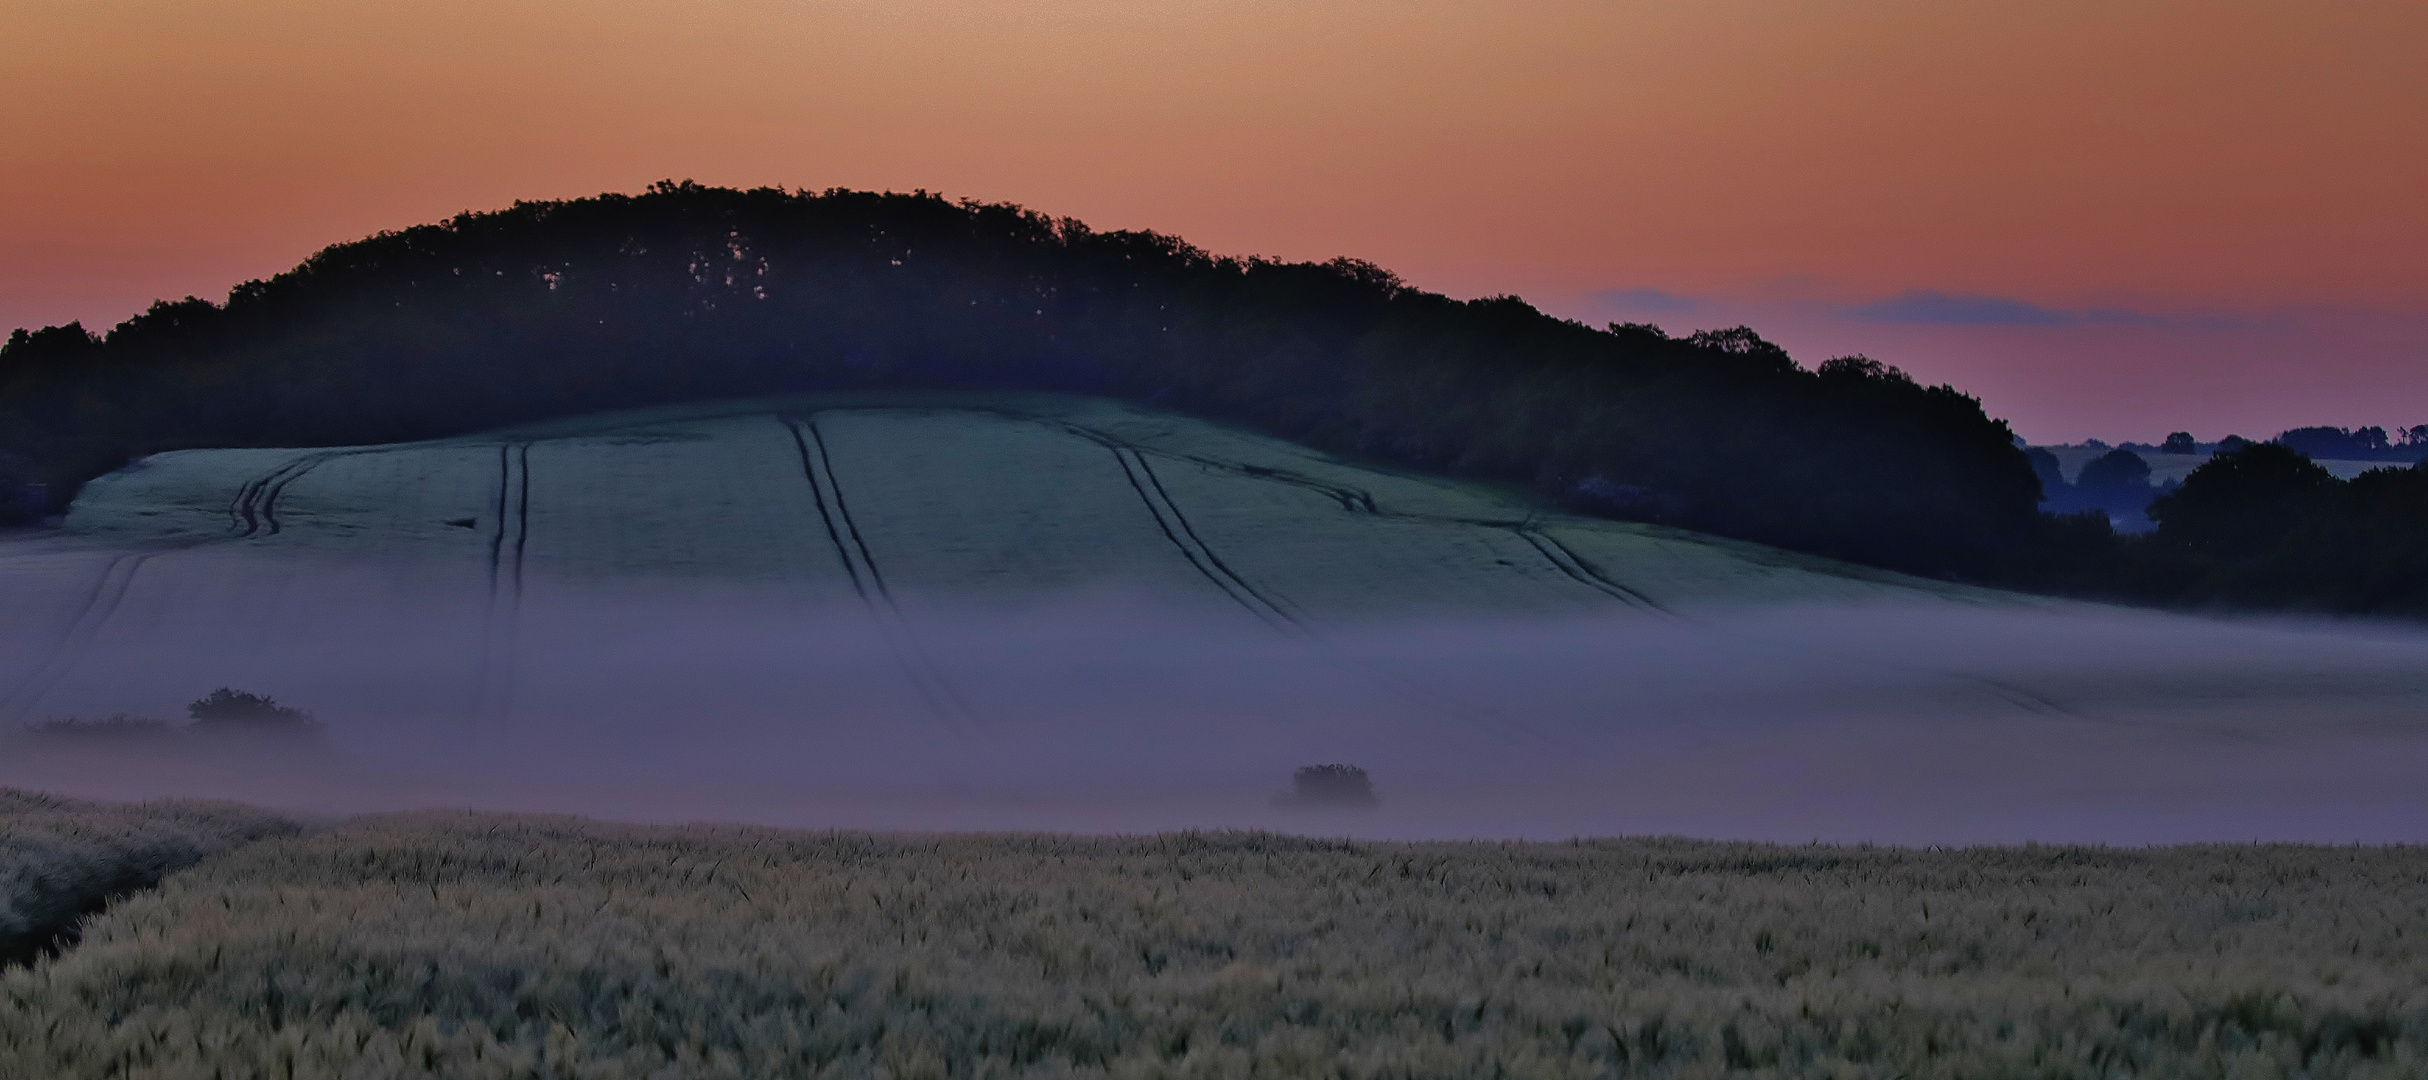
[457, 945]
[891, 504]
[951, 611]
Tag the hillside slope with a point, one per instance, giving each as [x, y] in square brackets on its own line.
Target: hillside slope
[973, 609]
[905, 506]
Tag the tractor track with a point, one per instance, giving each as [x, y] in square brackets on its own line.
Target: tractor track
[493, 686]
[100, 603]
[1576, 568]
[1209, 563]
[1353, 500]
[1176, 528]
[925, 677]
[1175, 525]
[1357, 501]
[254, 511]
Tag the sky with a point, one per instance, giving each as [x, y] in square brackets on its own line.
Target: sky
[2106, 219]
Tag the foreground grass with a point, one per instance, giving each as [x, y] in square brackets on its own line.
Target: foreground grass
[60, 859]
[483, 946]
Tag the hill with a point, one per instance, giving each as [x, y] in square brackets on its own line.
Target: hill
[689, 293]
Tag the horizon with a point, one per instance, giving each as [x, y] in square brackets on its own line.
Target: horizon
[2104, 224]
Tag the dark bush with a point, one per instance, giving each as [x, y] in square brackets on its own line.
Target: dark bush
[1331, 785]
[235, 708]
[2243, 503]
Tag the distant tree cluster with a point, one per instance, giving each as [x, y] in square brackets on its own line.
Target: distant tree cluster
[2265, 525]
[2116, 484]
[2319, 443]
[689, 292]
[2358, 444]
[2255, 525]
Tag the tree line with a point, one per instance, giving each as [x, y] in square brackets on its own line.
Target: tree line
[2257, 525]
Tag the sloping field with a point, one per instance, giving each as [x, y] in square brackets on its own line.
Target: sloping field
[991, 610]
[450, 945]
[892, 506]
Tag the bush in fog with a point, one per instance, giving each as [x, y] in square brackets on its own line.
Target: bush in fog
[230, 708]
[470, 945]
[1331, 785]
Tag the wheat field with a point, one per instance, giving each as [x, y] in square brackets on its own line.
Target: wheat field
[60, 858]
[458, 945]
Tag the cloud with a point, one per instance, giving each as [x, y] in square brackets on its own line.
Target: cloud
[1930, 307]
[1648, 301]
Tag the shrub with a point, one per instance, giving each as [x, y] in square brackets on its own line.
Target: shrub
[1331, 785]
[231, 707]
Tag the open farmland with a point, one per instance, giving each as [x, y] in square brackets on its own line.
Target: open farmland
[476, 946]
[1003, 610]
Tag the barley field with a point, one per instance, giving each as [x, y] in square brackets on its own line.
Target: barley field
[460, 945]
[61, 858]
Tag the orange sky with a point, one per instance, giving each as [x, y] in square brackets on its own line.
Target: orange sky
[2188, 192]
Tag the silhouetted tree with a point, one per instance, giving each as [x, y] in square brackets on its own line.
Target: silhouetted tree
[2242, 504]
[2353, 444]
[231, 707]
[2049, 470]
[2117, 476]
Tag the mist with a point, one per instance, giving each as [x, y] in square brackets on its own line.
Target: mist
[1120, 709]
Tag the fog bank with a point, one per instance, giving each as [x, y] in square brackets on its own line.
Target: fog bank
[1121, 710]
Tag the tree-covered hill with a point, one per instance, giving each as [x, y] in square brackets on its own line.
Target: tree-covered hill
[687, 292]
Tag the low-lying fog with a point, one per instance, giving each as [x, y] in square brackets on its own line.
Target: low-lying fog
[1924, 723]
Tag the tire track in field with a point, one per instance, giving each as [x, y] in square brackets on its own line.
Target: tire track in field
[100, 603]
[926, 678]
[493, 686]
[1201, 555]
[1559, 555]
[254, 511]
[1570, 563]
[1575, 566]
[1175, 525]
